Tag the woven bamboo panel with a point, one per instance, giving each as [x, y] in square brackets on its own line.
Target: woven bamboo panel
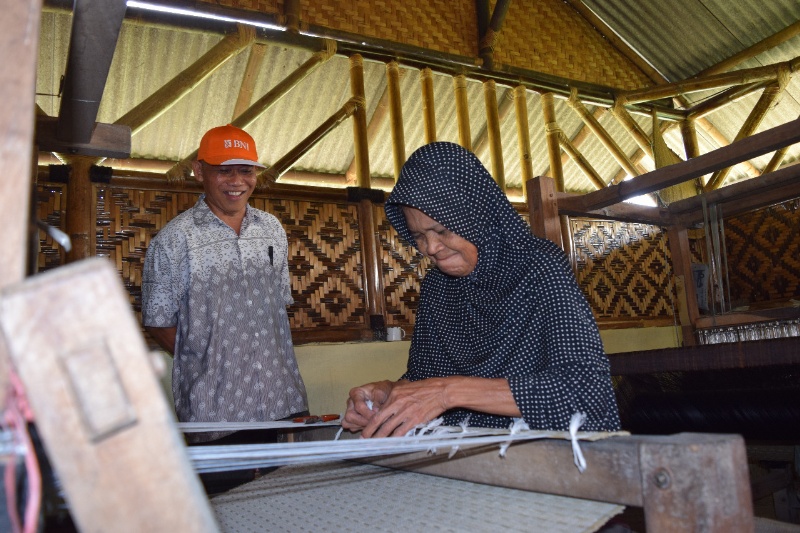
[50, 209]
[763, 250]
[126, 221]
[324, 262]
[550, 36]
[623, 269]
[262, 6]
[444, 25]
[403, 268]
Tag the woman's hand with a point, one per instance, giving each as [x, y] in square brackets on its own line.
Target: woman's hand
[364, 402]
[407, 404]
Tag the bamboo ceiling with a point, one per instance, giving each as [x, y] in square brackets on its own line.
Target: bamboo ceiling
[149, 55]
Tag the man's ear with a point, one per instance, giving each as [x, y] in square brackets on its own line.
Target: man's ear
[197, 168]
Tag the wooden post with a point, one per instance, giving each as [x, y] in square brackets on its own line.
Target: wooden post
[360, 144]
[543, 209]
[688, 312]
[523, 136]
[462, 111]
[371, 261]
[79, 208]
[428, 109]
[396, 117]
[19, 39]
[493, 129]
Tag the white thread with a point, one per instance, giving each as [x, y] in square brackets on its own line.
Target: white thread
[577, 455]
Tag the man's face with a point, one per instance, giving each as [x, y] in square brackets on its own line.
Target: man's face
[452, 253]
[227, 187]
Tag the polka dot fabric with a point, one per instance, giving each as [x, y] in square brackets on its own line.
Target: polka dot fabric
[519, 315]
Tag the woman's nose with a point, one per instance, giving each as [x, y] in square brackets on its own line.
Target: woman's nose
[434, 244]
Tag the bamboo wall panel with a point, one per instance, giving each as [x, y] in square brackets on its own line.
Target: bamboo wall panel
[444, 25]
[763, 250]
[324, 262]
[403, 268]
[623, 269]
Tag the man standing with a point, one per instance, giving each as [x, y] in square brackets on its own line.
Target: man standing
[214, 293]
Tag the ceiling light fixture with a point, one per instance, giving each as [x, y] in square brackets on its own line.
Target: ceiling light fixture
[189, 12]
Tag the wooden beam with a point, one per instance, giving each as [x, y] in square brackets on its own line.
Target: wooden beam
[543, 209]
[762, 46]
[751, 354]
[107, 140]
[741, 197]
[748, 148]
[360, 135]
[666, 475]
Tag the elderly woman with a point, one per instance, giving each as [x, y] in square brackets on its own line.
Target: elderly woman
[502, 330]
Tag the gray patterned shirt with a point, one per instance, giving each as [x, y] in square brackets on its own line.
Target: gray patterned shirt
[227, 296]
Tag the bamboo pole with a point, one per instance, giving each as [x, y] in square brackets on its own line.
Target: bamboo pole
[631, 126]
[739, 77]
[553, 131]
[762, 46]
[581, 161]
[79, 207]
[160, 101]
[183, 168]
[588, 119]
[462, 111]
[689, 133]
[723, 99]
[523, 136]
[396, 117]
[275, 171]
[493, 130]
[764, 104]
[428, 108]
[360, 145]
[374, 126]
[254, 61]
[482, 139]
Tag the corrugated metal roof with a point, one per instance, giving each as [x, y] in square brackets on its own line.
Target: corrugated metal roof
[678, 37]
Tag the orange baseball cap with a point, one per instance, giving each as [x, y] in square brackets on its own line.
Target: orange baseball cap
[228, 145]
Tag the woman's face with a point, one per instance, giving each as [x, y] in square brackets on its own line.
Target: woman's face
[453, 254]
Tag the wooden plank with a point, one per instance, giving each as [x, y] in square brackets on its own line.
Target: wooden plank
[19, 41]
[685, 482]
[98, 404]
[737, 152]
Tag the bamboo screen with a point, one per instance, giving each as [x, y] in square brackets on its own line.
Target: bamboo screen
[623, 269]
[324, 262]
[763, 250]
[402, 268]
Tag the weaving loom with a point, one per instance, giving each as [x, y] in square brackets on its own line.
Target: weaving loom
[100, 410]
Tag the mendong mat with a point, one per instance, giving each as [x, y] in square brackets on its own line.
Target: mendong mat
[343, 496]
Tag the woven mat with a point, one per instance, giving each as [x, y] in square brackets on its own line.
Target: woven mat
[342, 496]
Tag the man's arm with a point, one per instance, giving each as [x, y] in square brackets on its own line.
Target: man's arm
[165, 337]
